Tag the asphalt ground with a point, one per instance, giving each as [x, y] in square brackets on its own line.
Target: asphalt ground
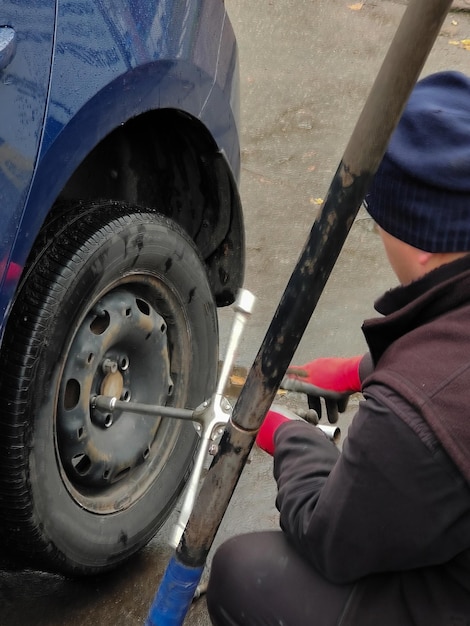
[306, 69]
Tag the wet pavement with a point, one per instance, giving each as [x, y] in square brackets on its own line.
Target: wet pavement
[306, 69]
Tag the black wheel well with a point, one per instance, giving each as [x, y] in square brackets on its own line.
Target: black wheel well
[166, 160]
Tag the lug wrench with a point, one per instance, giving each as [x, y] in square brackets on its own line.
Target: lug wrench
[211, 416]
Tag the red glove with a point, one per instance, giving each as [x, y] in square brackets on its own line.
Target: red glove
[265, 437]
[336, 374]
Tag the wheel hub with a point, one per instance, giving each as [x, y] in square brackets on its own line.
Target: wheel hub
[113, 385]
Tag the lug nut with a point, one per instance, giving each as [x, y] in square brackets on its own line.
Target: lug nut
[109, 366]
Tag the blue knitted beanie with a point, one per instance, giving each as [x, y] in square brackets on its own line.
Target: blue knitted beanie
[421, 191]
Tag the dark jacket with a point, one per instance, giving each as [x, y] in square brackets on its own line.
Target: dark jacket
[392, 512]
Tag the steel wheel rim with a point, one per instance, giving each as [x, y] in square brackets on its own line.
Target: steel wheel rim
[108, 462]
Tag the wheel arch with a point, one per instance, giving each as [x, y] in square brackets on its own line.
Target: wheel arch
[168, 161]
[157, 98]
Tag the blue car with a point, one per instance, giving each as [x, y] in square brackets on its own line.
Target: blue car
[121, 234]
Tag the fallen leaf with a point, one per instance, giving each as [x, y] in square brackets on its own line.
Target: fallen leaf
[317, 201]
[237, 381]
[356, 7]
[463, 43]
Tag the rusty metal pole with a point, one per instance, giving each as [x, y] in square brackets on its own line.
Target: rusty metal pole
[400, 70]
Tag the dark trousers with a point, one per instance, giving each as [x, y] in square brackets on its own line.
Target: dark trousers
[259, 580]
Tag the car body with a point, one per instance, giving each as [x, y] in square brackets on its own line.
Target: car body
[108, 109]
[81, 72]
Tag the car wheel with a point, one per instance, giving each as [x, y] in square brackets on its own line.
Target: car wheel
[117, 303]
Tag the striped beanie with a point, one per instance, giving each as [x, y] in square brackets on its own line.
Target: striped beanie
[421, 191]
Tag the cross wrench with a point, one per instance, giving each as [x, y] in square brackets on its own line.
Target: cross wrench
[211, 416]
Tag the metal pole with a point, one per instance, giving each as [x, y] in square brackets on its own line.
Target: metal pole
[402, 65]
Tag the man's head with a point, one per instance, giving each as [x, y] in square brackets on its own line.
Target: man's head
[420, 194]
[410, 263]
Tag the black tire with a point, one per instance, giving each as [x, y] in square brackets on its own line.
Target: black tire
[81, 491]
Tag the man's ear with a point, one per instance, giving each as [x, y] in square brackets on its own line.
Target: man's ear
[424, 257]
[430, 260]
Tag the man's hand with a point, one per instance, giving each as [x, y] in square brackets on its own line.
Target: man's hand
[337, 374]
[333, 379]
[265, 437]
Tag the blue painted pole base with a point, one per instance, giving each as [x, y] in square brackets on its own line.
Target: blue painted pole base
[174, 595]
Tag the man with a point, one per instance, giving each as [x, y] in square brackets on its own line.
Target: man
[380, 534]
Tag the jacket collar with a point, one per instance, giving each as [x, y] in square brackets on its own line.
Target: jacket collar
[408, 306]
